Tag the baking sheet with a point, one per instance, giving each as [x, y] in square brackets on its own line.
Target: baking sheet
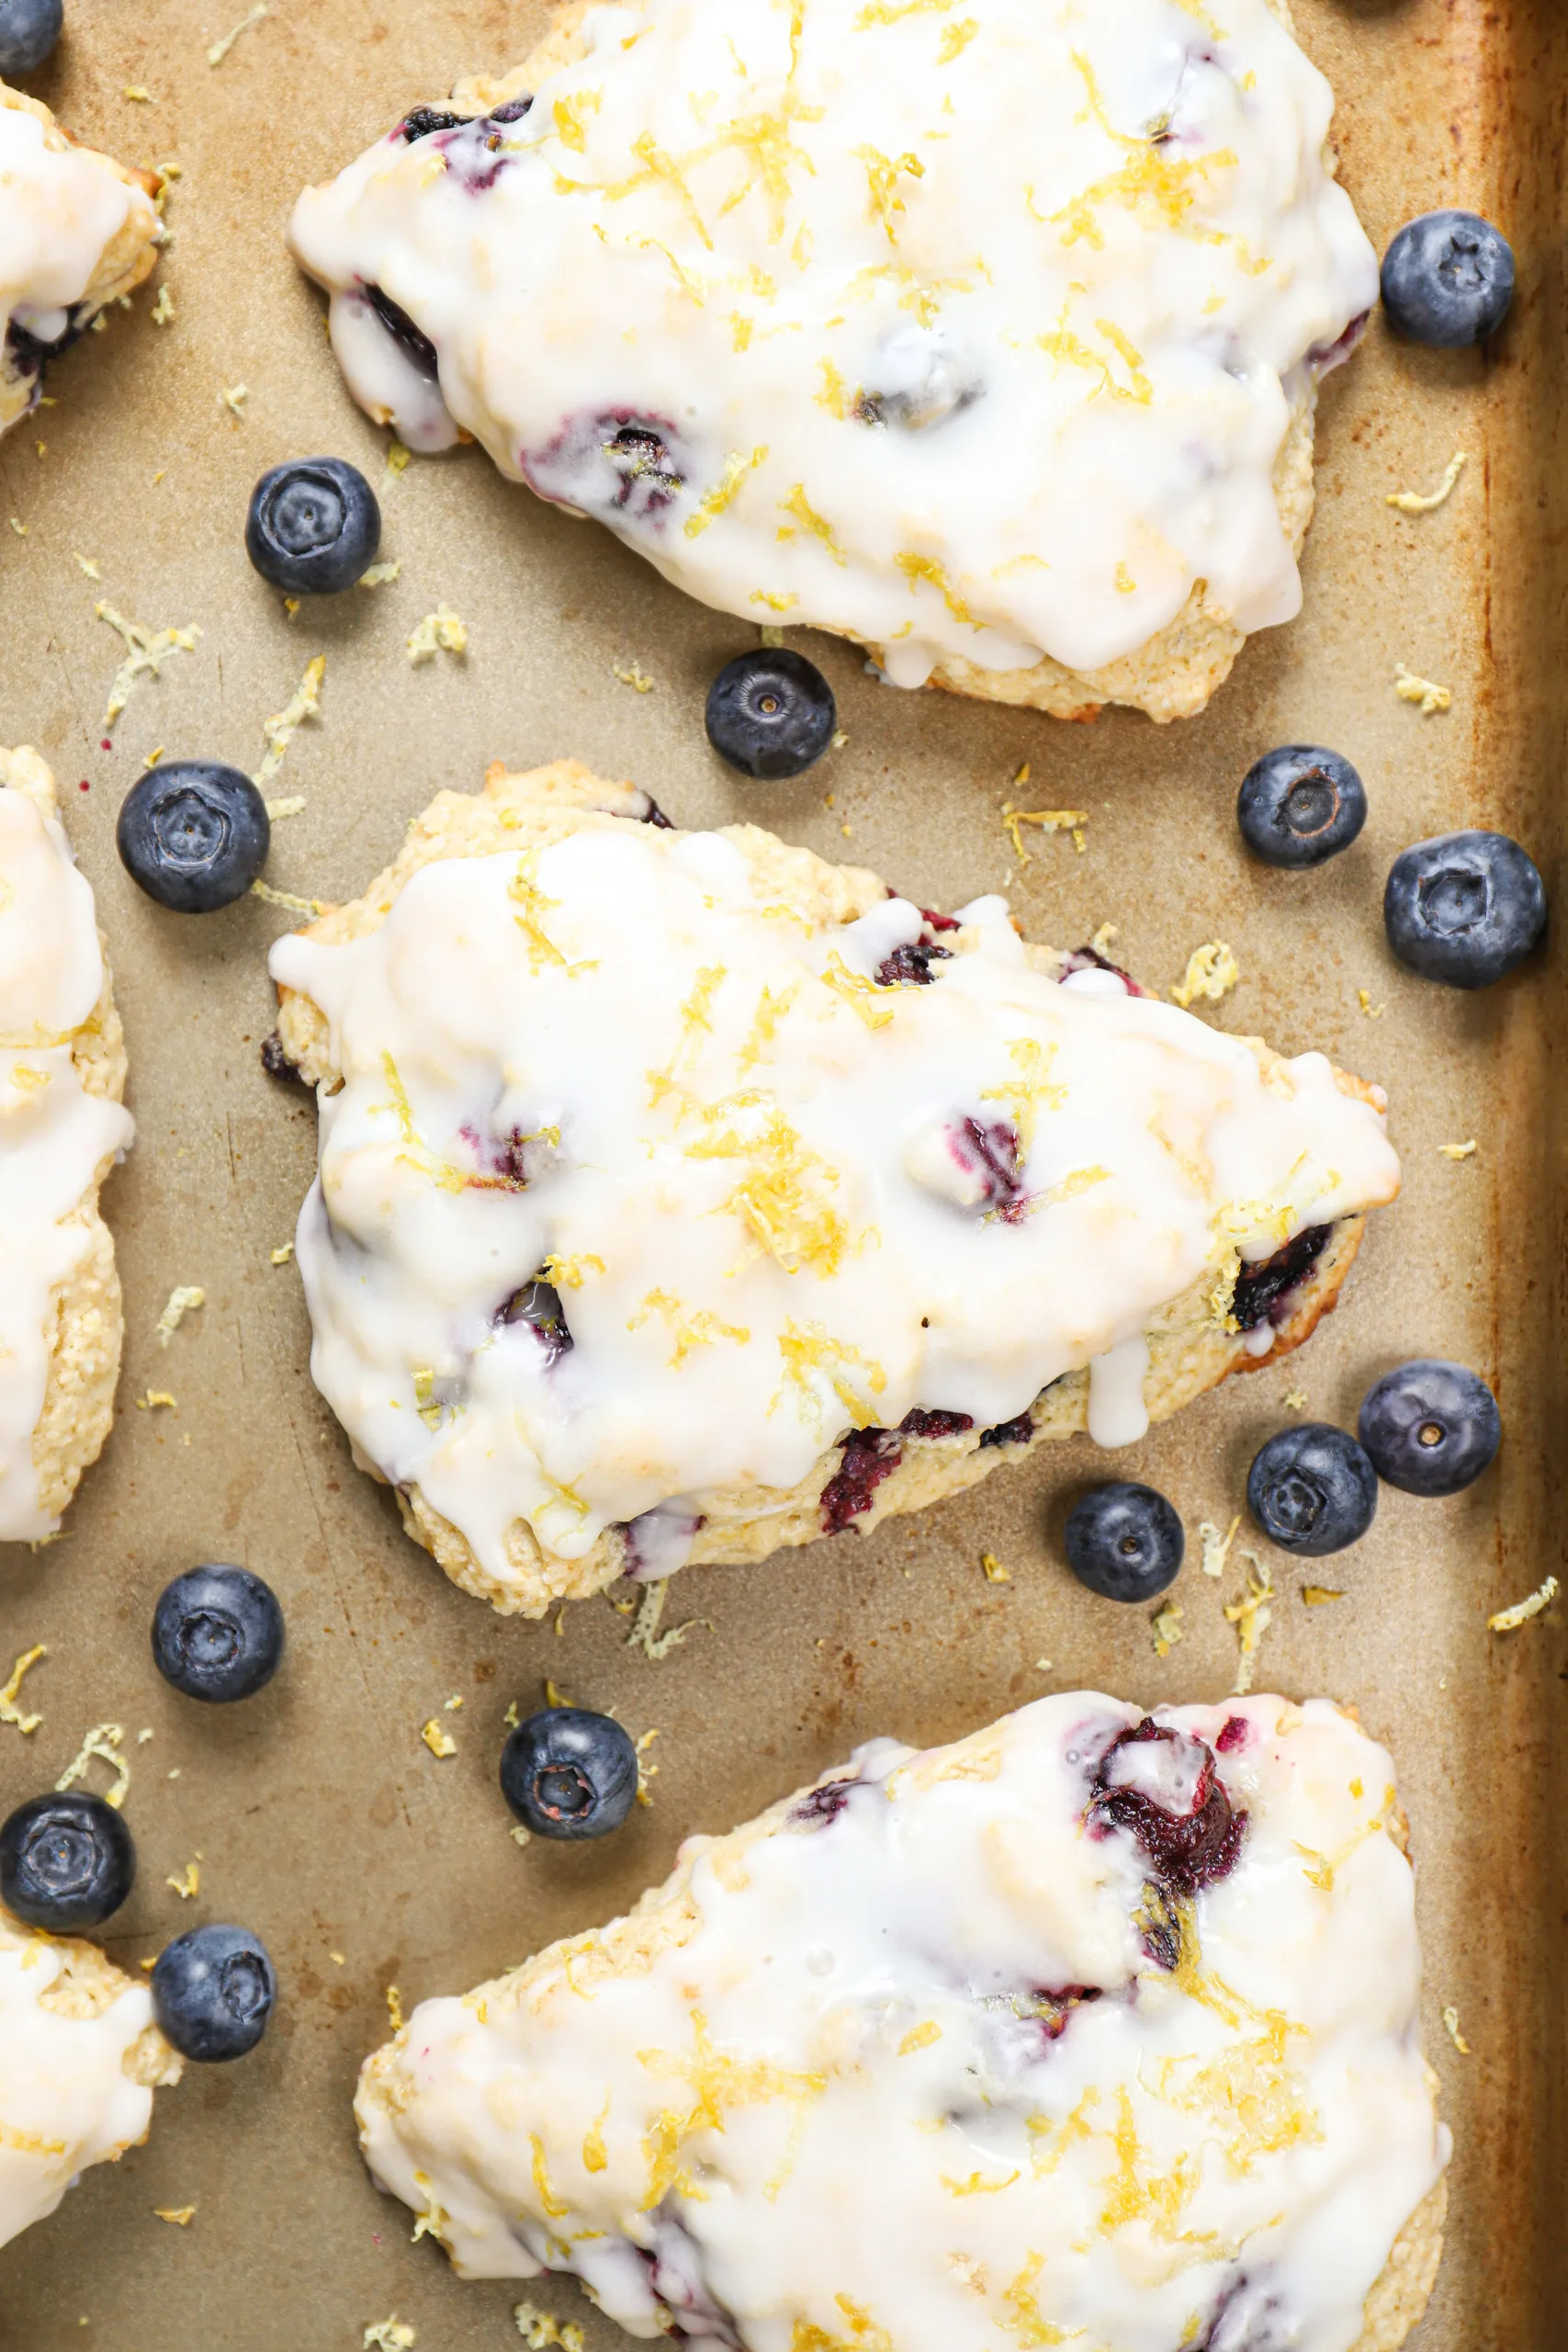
[318, 1816]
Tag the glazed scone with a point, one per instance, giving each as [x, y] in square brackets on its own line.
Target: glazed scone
[62, 1126]
[984, 333]
[1094, 2028]
[76, 229]
[80, 2058]
[681, 1195]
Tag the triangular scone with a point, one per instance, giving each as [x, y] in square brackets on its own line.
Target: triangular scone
[76, 231]
[986, 334]
[1094, 2029]
[80, 2058]
[682, 1195]
[62, 1126]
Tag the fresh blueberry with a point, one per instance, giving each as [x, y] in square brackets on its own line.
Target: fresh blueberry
[1430, 1426]
[1448, 280]
[29, 30]
[212, 1993]
[216, 1632]
[1300, 805]
[567, 1772]
[66, 1862]
[770, 713]
[1125, 1541]
[1464, 908]
[313, 526]
[194, 834]
[1312, 1489]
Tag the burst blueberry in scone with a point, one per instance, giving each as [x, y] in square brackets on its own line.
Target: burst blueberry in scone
[681, 1195]
[983, 334]
[80, 2058]
[1095, 2028]
[62, 1126]
[76, 229]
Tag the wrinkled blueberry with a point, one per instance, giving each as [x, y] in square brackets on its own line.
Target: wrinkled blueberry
[314, 525]
[216, 1633]
[1448, 280]
[567, 1772]
[425, 119]
[1464, 908]
[1125, 1542]
[66, 1862]
[194, 834]
[29, 30]
[213, 1992]
[414, 341]
[1298, 806]
[538, 1304]
[1312, 1489]
[770, 713]
[1430, 1426]
[1262, 1288]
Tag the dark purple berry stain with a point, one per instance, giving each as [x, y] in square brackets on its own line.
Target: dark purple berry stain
[868, 1457]
[990, 1149]
[404, 332]
[425, 119]
[934, 922]
[1234, 1735]
[1014, 1432]
[910, 966]
[1264, 1291]
[504, 1160]
[274, 1060]
[473, 145]
[1324, 357]
[1054, 2005]
[921, 1422]
[1172, 1802]
[818, 1807]
[623, 466]
[654, 815]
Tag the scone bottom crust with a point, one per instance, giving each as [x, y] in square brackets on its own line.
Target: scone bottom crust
[714, 1272]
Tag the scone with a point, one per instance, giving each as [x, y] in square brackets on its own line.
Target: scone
[984, 333]
[76, 229]
[681, 1195]
[1094, 2029]
[62, 1126]
[80, 2058]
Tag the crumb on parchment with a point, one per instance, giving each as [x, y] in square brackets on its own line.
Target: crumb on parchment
[1459, 1150]
[182, 2216]
[1422, 691]
[1508, 1621]
[1211, 972]
[1166, 1627]
[1049, 821]
[439, 1742]
[1216, 1547]
[440, 631]
[10, 1713]
[1411, 502]
[1251, 1616]
[1450, 2027]
[146, 650]
[542, 2329]
[644, 1634]
[183, 1300]
[994, 1571]
[103, 1742]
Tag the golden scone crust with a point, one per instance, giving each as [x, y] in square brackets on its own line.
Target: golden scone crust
[1190, 1350]
[124, 261]
[86, 1315]
[1170, 676]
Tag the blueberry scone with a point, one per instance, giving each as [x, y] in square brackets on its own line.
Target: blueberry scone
[80, 2058]
[984, 333]
[1096, 2028]
[62, 1126]
[76, 229]
[681, 1195]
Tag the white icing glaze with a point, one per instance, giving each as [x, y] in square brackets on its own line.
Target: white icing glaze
[834, 2113]
[725, 1132]
[1084, 261]
[65, 2099]
[59, 207]
[54, 1136]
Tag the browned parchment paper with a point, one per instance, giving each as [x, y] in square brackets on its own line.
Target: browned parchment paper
[318, 1815]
